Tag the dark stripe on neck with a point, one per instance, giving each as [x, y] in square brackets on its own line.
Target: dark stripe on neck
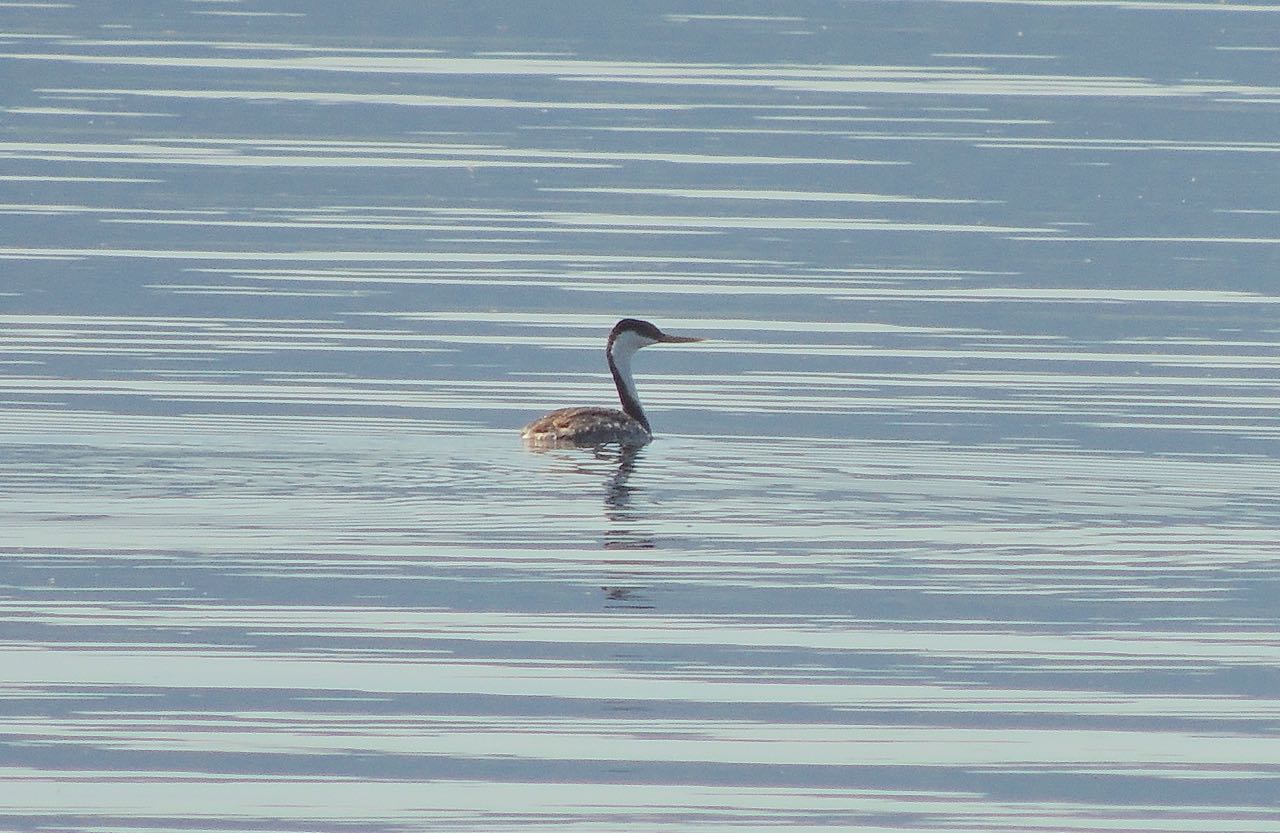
[630, 405]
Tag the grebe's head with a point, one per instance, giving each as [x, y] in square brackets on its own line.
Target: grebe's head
[630, 334]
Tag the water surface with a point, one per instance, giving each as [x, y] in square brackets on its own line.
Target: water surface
[963, 517]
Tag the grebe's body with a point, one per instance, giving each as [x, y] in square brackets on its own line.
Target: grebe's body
[600, 426]
[586, 426]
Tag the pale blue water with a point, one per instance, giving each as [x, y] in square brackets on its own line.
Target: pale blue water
[964, 517]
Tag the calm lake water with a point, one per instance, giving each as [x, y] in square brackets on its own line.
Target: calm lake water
[965, 516]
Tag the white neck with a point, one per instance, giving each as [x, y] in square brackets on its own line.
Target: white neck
[620, 353]
[622, 361]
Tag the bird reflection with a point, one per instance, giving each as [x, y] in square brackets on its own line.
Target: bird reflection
[617, 495]
[621, 531]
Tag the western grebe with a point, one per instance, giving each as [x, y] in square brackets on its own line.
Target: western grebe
[598, 426]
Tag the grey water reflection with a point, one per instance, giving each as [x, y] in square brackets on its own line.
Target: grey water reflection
[626, 530]
[619, 512]
[965, 518]
[627, 525]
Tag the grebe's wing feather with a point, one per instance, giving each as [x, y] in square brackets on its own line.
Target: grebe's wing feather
[585, 426]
